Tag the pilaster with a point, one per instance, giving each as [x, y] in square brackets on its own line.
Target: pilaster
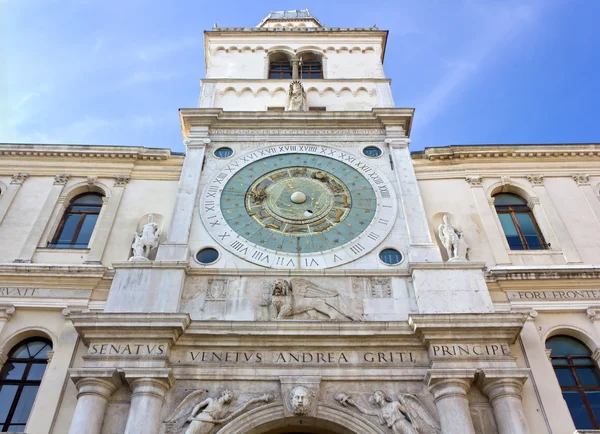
[557, 227]
[422, 247]
[33, 240]
[544, 379]
[106, 220]
[494, 234]
[48, 400]
[175, 247]
[583, 182]
[11, 192]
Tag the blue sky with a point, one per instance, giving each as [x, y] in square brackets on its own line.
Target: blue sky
[114, 72]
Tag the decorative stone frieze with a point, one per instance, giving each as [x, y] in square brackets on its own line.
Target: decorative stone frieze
[61, 178]
[19, 178]
[581, 178]
[536, 180]
[474, 181]
[121, 180]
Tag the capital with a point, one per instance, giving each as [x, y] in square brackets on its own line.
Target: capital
[155, 387]
[446, 383]
[97, 386]
[61, 178]
[19, 178]
[121, 180]
[474, 181]
[502, 383]
[581, 178]
[536, 180]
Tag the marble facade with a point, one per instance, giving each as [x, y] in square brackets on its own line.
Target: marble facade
[448, 340]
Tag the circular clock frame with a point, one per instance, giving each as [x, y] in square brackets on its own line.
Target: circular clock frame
[368, 239]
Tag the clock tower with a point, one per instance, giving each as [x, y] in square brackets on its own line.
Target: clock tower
[298, 268]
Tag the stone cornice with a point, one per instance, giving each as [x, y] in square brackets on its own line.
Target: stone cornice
[89, 152]
[545, 272]
[200, 122]
[315, 333]
[474, 327]
[504, 151]
[132, 326]
[28, 269]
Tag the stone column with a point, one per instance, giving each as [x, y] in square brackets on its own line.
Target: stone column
[295, 66]
[503, 388]
[106, 221]
[147, 397]
[11, 192]
[556, 224]
[494, 233]
[92, 399]
[60, 180]
[450, 393]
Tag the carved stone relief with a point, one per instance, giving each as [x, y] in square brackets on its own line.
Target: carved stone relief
[217, 288]
[300, 298]
[197, 414]
[317, 298]
[405, 414]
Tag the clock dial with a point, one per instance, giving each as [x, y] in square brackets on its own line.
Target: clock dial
[303, 207]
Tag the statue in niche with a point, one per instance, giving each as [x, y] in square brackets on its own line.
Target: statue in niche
[309, 298]
[452, 240]
[209, 412]
[144, 242]
[297, 101]
[300, 400]
[405, 415]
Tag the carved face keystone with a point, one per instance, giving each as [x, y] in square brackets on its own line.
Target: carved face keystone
[301, 400]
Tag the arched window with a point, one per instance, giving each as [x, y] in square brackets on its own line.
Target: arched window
[518, 223]
[280, 66]
[77, 224]
[310, 66]
[579, 381]
[20, 379]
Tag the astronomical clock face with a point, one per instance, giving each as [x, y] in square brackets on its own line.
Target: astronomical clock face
[302, 207]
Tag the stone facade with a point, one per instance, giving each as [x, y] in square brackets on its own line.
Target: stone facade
[149, 336]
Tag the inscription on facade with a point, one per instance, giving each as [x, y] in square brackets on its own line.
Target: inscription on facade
[306, 357]
[469, 350]
[128, 349]
[40, 292]
[553, 295]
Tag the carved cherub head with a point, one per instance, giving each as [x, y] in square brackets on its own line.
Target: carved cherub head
[225, 396]
[281, 287]
[379, 398]
[301, 400]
